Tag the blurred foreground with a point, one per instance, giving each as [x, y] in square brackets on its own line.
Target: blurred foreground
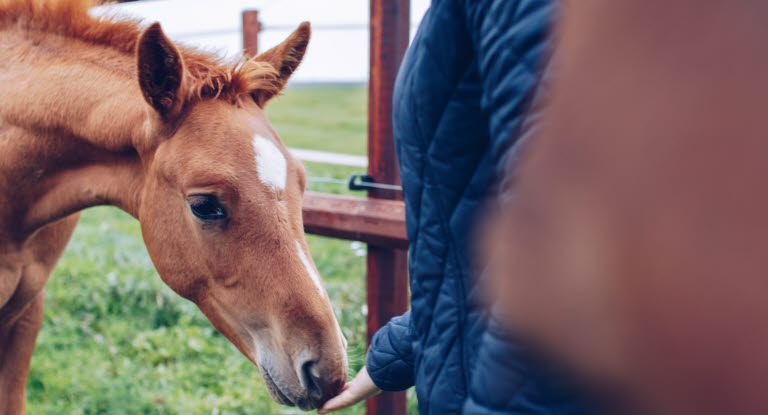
[635, 247]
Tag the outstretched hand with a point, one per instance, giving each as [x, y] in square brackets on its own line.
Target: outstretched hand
[359, 389]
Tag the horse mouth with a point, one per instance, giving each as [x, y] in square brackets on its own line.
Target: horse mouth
[277, 394]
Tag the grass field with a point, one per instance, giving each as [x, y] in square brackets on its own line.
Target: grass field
[116, 340]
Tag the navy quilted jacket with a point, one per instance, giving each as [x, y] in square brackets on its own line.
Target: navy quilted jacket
[460, 99]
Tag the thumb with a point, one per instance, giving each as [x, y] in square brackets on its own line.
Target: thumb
[358, 390]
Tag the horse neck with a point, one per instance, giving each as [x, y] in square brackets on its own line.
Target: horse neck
[70, 118]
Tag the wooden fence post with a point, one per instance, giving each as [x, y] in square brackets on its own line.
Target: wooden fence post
[387, 272]
[251, 28]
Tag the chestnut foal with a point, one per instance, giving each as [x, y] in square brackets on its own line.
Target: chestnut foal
[99, 111]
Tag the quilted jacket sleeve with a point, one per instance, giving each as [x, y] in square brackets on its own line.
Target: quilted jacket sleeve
[390, 358]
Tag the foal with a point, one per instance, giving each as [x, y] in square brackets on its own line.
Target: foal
[106, 112]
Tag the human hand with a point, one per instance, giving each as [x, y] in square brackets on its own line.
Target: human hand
[358, 390]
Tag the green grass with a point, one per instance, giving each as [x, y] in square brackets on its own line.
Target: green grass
[116, 340]
[322, 118]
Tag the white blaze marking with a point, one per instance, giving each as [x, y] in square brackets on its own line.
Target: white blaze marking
[310, 269]
[270, 163]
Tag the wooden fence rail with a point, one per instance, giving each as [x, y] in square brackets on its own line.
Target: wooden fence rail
[375, 222]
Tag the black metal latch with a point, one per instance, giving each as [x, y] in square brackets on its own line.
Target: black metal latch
[366, 182]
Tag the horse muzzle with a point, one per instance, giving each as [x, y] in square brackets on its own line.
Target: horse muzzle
[307, 387]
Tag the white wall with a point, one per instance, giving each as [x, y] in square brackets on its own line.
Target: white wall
[338, 51]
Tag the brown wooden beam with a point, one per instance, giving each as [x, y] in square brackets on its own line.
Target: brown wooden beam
[376, 222]
[387, 269]
[251, 29]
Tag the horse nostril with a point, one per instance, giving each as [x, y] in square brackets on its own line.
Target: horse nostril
[311, 378]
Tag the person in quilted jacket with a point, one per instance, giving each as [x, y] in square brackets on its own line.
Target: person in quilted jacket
[461, 101]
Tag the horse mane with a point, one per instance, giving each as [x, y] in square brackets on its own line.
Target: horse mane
[208, 76]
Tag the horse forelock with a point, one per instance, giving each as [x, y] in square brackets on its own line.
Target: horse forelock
[207, 76]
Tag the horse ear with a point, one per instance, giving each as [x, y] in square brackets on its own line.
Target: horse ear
[161, 71]
[285, 58]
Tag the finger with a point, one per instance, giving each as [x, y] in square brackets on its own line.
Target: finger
[359, 389]
[345, 399]
[353, 393]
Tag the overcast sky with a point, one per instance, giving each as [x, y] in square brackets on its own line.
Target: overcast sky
[338, 51]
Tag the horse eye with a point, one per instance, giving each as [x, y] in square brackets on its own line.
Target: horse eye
[206, 208]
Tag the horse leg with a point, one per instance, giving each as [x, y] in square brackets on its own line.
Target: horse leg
[22, 315]
[16, 345]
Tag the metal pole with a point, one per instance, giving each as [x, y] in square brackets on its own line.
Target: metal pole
[387, 270]
[251, 28]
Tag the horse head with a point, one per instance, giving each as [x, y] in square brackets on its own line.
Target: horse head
[220, 213]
